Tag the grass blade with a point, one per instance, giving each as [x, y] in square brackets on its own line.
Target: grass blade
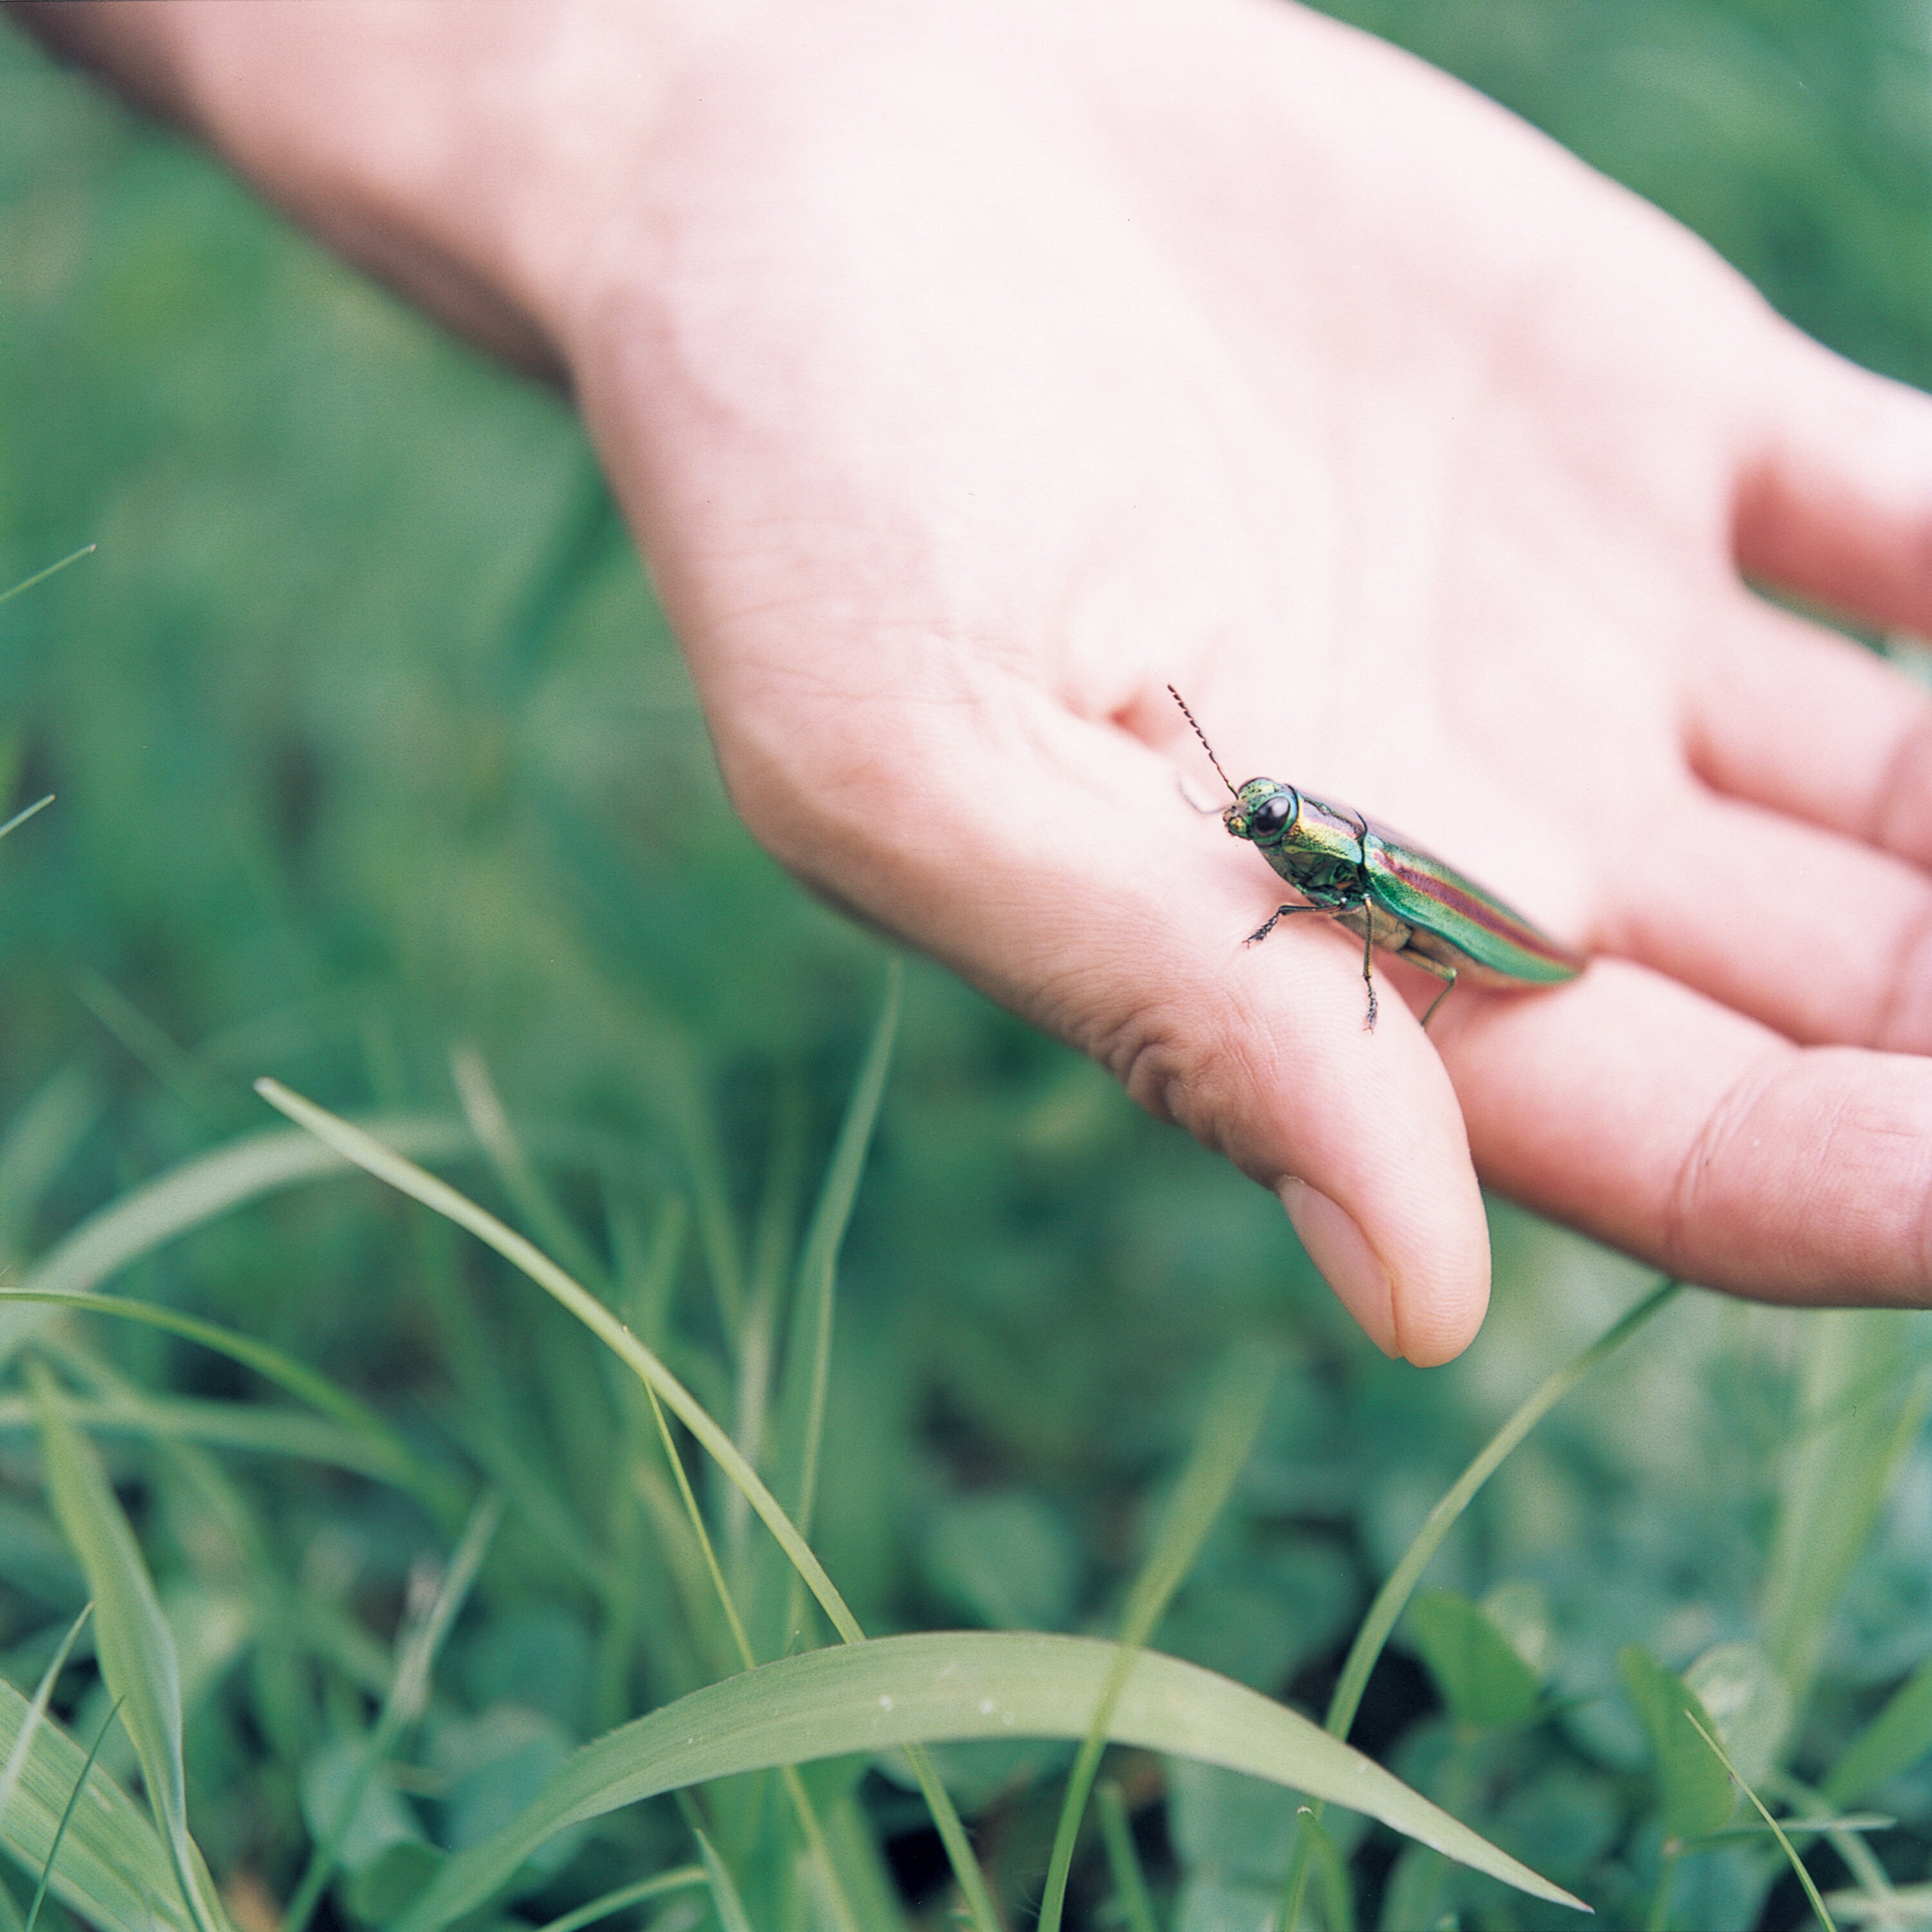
[1777, 1831]
[1836, 1476]
[1235, 1406]
[387, 1453]
[53, 570]
[407, 1178]
[724, 1900]
[950, 1687]
[1906, 1908]
[488, 1120]
[186, 1197]
[136, 1647]
[66, 1816]
[808, 1344]
[1899, 1735]
[114, 1871]
[20, 818]
[366, 1152]
[1132, 1899]
[1393, 1598]
[38, 1143]
[807, 1369]
[681, 1878]
[221, 1425]
[23, 1738]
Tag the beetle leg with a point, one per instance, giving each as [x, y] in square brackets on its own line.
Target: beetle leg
[1280, 913]
[1446, 974]
[1368, 962]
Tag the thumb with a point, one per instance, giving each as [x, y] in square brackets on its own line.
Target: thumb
[1049, 860]
[1358, 1133]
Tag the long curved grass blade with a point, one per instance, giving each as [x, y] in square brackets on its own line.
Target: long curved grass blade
[1777, 1831]
[66, 1816]
[1235, 1406]
[681, 1878]
[808, 1345]
[135, 1646]
[352, 1144]
[387, 1451]
[113, 1871]
[216, 1425]
[1393, 1598]
[20, 817]
[948, 1687]
[489, 1121]
[1131, 1899]
[53, 570]
[196, 1191]
[407, 1178]
[724, 1900]
[23, 1738]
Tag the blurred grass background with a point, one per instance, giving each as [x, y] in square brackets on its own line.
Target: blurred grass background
[370, 743]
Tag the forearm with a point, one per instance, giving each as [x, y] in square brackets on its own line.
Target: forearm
[455, 152]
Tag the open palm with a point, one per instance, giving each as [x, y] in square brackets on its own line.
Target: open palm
[971, 372]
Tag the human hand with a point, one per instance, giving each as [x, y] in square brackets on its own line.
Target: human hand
[970, 374]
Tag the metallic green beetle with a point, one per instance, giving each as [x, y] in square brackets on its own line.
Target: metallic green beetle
[1388, 892]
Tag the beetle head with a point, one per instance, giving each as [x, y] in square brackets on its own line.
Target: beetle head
[1264, 811]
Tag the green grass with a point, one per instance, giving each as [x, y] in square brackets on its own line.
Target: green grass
[377, 774]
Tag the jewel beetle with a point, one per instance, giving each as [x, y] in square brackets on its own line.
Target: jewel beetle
[1388, 892]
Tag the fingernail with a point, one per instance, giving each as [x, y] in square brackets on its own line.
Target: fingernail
[1347, 1264]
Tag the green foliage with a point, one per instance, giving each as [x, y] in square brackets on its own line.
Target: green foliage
[138, 1662]
[1900, 1735]
[377, 773]
[1482, 1680]
[1694, 1789]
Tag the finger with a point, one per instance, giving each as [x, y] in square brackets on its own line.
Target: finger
[1835, 498]
[1263, 1054]
[1798, 718]
[1050, 861]
[1818, 936]
[1633, 1108]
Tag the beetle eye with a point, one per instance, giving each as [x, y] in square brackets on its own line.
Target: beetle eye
[1268, 819]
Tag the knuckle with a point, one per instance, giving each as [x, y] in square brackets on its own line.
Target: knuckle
[1700, 1196]
[1211, 1077]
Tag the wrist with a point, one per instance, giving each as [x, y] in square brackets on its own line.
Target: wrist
[460, 152]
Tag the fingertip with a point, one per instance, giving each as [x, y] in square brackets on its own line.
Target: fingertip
[1837, 502]
[1386, 1203]
[1438, 1327]
[1417, 1321]
[1341, 1253]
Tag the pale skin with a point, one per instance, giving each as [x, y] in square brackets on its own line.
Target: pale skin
[970, 370]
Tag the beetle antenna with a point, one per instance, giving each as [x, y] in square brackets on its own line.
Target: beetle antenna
[1203, 737]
